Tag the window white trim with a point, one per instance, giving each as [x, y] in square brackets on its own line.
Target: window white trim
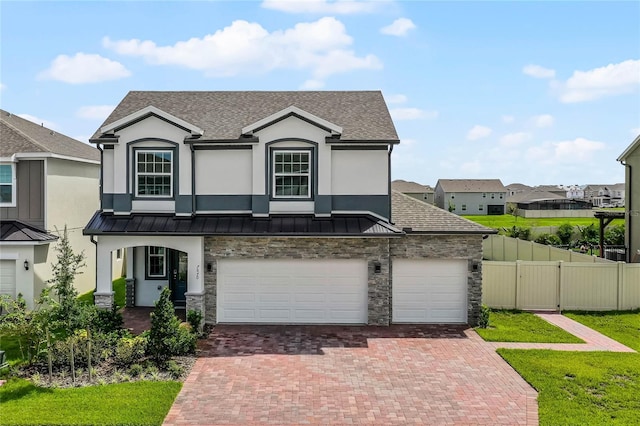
[282, 174]
[154, 173]
[162, 254]
[12, 184]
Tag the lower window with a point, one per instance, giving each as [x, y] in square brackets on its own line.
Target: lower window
[156, 262]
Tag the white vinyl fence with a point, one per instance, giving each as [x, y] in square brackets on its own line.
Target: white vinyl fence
[501, 248]
[534, 285]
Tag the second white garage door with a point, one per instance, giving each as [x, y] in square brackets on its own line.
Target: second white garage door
[296, 291]
[429, 291]
[8, 277]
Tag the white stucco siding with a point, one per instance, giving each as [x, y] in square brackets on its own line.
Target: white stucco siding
[193, 246]
[73, 196]
[224, 172]
[291, 206]
[149, 128]
[140, 206]
[288, 130]
[359, 172]
[107, 171]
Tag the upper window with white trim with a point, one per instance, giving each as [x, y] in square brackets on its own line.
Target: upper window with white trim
[154, 173]
[292, 174]
[7, 185]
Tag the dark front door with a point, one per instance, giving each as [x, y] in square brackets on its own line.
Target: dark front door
[178, 277]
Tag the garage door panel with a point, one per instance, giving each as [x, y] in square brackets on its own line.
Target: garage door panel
[311, 291]
[8, 277]
[429, 291]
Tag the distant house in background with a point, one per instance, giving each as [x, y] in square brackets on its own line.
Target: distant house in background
[47, 181]
[554, 189]
[575, 192]
[418, 191]
[471, 196]
[630, 158]
[517, 188]
[538, 203]
[605, 195]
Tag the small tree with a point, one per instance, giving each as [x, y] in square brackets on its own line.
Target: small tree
[614, 235]
[588, 234]
[69, 311]
[565, 232]
[167, 337]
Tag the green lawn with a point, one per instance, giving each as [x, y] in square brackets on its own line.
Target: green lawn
[508, 221]
[581, 388]
[118, 288]
[623, 326]
[138, 403]
[517, 326]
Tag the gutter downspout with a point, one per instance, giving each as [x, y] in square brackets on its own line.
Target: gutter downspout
[628, 190]
[95, 242]
[193, 180]
[101, 174]
[389, 180]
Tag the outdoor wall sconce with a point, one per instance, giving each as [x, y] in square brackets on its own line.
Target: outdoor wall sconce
[209, 267]
[377, 268]
[26, 265]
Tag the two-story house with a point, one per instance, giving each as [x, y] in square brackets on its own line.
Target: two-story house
[471, 196]
[630, 159]
[275, 207]
[413, 189]
[47, 181]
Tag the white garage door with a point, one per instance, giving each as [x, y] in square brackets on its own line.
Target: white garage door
[8, 277]
[429, 291]
[292, 291]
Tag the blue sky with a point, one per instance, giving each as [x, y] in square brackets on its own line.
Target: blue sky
[530, 92]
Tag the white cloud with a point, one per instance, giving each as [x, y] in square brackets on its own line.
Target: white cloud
[514, 139]
[412, 114]
[95, 112]
[396, 99]
[635, 131]
[323, 7]
[544, 120]
[537, 71]
[478, 132]
[84, 68]
[399, 28]
[312, 85]
[508, 119]
[408, 142]
[321, 47]
[579, 150]
[40, 121]
[613, 79]
[3, 87]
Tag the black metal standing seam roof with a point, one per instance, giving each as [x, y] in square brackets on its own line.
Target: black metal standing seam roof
[17, 231]
[239, 225]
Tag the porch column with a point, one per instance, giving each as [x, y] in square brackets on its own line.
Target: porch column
[104, 288]
[195, 294]
[129, 280]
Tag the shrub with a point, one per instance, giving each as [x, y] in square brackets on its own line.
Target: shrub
[135, 370]
[483, 320]
[614, 235]
[548, 239]
[519, 232]
[174, 369]
[130, 350]
[166, 337]
[194, 318]
[107, 320]
[564, 233]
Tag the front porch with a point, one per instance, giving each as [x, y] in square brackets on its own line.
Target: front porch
[138, 319]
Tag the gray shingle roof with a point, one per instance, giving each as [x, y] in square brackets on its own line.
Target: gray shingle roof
[363, 115]
[534, 195]
[409, 187]
[472, 185]
[22, 136]
[407, 212]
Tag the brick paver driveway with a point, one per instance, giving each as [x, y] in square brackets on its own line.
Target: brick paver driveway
[351, 375]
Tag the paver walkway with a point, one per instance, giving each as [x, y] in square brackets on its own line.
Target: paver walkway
[248, 375]
[594, 341]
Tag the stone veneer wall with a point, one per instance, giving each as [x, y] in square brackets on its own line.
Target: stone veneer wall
[373, 250]
[448, 247]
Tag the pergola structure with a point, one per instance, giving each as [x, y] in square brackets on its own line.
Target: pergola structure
[605, 218]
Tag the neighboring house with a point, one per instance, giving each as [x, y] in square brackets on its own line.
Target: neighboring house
[554, 189]
[418, 191]
[517, 188]
[47, 181]
[575, 192]
[471, 196]
[605, 195]
[630, 158]
[275, 207]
